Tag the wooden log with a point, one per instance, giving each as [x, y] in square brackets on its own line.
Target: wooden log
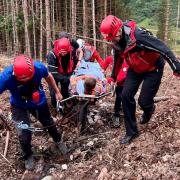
[6, 143]
[161, 98]
[6, 159]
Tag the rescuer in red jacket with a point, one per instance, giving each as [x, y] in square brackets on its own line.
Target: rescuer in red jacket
[61, 63]
[145, 55]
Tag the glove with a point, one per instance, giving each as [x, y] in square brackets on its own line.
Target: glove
[110, 80]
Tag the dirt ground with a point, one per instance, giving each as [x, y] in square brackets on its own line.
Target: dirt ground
[97, 154]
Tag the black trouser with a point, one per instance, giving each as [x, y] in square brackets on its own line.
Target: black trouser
[43, 115]
[150, 85]
[118, 100]
[64, 90]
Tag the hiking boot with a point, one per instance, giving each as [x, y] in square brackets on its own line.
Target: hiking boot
[147, 116]
[29, 163]
[62, 148]
[128, 138]
[115, 122]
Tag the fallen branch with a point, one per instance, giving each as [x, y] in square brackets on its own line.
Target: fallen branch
[6, 159]
[6, 144]
[161, 98]
[24, 174]
[156, 99]
[82, 138]
[113, 159]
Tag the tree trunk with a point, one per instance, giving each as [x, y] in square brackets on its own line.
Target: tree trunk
[167, 13]
[41, 31]
[66, 16]
[110, 7]
[16, 27]
[94, 23]
[25, 12]
[70, 16]
[13, 26]
[73, 17]
[105, 14]
[48, 27]
[5, 26]
[177, 25]
[52, 17]
[16, 6]
[37, 7]
[34, 30]
[9, 47]
[85, 18]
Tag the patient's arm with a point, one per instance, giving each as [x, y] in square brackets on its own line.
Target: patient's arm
[82, 77]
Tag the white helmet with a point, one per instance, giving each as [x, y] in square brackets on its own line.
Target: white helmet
[81, 42]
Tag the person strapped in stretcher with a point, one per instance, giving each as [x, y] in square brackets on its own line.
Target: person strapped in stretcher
[88, 79]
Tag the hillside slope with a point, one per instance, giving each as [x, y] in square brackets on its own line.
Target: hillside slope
[155, 154]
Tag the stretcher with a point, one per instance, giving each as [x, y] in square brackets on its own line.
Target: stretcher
[81, 100]
[81, 107]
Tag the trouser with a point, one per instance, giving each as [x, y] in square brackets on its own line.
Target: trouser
[43, 115]
[150, 85]
[118, 101]
[64, 91]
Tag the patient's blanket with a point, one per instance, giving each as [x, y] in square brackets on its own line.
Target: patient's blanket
[88, 69]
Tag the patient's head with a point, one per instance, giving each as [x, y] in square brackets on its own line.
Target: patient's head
[89, 85]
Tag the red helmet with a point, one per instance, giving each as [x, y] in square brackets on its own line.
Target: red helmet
[62, 45]
[110, 26]
[23, 68]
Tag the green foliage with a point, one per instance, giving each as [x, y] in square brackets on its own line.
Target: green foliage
[6, 23]
[20, 21]
[161, 18]
[1, 22]
[142, 9]
[148, 23]
[122, 9]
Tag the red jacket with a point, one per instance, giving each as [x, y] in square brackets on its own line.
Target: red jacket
[142, 51]
[69, 70]
[108, 62]
[142, 60]
[121, 76]
[121, 69]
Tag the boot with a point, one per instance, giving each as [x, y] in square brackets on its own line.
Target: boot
[147, 116]
[29, 163]
[62, 148]
[127, 139]
[115, 122]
